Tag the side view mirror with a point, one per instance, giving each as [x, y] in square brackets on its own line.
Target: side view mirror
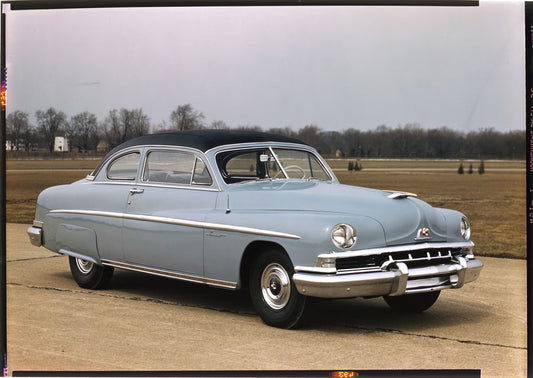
[264, 158]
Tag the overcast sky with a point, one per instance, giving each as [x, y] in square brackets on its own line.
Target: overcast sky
[336, 67]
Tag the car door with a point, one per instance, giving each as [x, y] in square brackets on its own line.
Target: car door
[165, 212]
[106, 198]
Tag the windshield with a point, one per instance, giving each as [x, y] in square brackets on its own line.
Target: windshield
[270, 163]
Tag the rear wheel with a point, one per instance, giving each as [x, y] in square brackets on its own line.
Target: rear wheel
[89, 275]
[273, 292]
[413, 302]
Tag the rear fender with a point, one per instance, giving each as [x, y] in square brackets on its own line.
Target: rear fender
[78, 242]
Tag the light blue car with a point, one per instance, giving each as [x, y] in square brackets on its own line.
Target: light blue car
[236, 209]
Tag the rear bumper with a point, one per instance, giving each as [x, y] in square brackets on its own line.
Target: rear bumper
[35, 234]
[397, 279]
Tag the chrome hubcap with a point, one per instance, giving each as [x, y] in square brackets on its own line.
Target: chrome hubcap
[84, 266]
[275, 286]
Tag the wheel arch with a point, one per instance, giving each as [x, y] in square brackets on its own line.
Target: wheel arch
[251, 252]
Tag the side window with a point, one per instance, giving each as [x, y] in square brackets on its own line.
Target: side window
[242, 165]
[201, 174]
[238, 166]
[170, 167]
[124, 167]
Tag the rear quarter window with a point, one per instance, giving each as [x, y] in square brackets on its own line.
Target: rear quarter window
[124, 167]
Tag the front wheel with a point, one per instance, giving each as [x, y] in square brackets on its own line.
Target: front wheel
[89, 275]
[413, 302]
[273, 292]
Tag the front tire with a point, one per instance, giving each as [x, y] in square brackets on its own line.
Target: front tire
[273, 292]
[413, 302]
[89, 275]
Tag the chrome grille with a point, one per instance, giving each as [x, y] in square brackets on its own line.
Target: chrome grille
[417, 258]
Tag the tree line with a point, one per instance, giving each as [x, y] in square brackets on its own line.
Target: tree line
[85, 133]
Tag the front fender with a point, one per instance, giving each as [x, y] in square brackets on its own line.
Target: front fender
[223, 249]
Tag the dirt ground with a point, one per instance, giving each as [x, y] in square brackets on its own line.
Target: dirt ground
[494, 202]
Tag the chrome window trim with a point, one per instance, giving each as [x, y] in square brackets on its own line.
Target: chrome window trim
[180, 222]
[171, 274]
[278, 162]
[205, 189]
[215, 185]
[120, 156]
[139, 147]
[181, 186]
[249, 145]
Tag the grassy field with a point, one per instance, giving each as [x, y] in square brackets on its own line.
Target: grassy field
[494, 202]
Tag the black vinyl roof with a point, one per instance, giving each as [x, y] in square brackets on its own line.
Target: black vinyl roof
[202, 140]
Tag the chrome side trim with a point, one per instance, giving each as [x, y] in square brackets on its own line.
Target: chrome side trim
[169, 274]
[181, 222]
[38, 224]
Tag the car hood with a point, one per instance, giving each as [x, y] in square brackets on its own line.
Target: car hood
[400, 218]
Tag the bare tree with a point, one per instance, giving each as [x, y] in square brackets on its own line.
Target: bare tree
[186, 118]
[310, 135]
[220, 125]
[31, 139]
[50, 122]
[140, 123]
[125, 124]
[83, 131]
[17, 125]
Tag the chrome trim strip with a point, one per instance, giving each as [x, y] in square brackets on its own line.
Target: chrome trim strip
[399, 248]
[169, 274]
[38, 224]
[190, 187]
[278, 162]
[181, 222]
[250, 145]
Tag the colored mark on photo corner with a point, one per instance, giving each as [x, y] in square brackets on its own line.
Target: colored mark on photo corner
[4, 366]
[3, 93]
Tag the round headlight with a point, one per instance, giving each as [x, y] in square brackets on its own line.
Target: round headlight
[343, 236]
[465, 228]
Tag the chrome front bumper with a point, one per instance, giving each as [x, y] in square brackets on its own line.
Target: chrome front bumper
[35, 233]
[395, 279]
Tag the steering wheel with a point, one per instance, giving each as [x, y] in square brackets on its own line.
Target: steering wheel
[294, 167]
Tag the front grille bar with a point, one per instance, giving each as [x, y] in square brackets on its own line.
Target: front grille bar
[410, 258]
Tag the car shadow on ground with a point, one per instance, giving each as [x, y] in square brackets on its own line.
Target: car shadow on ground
[356, 314]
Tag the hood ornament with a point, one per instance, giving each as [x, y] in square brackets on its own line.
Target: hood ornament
[398, 195]
[423, 233]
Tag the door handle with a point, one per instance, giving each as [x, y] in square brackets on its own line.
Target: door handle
[136, 191]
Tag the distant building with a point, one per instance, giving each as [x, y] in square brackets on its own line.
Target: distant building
[10, 145]
[102, 146]
[61, 144]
